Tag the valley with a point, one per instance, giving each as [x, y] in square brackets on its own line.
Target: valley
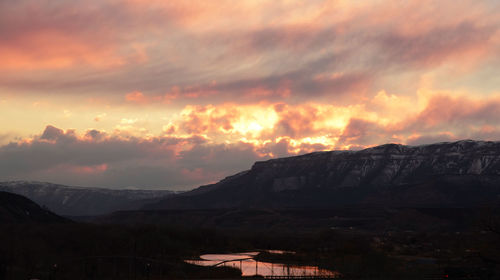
[426, 212]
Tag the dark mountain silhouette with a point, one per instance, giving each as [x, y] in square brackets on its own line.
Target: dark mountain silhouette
[18, 209]
[79, 201]
[463, 173]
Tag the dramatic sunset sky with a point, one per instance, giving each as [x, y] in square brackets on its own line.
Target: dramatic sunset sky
[174, 94]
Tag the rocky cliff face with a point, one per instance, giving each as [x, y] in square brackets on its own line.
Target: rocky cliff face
[384, 165]
[78, 201]
[458, 173]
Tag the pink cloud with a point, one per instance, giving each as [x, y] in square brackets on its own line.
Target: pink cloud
[136, 97]
[89, 170]
[445, 110]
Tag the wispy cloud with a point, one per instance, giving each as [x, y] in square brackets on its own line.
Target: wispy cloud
[149, 92]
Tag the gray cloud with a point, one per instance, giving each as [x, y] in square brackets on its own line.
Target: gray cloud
[52, 133]
[114, 162]
[450, 113]
[432, 47]
[362, 132]
[430, 139]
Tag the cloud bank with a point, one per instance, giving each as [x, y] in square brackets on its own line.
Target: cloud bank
[121, 93]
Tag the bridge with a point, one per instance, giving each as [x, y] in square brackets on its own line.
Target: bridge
[250, 267]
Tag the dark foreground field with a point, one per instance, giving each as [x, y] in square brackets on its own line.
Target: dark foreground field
[460, 243]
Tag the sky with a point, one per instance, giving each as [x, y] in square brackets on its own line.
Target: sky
[177, 94]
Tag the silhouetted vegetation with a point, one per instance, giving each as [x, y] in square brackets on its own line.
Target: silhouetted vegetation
[84, 251]
[392, 250]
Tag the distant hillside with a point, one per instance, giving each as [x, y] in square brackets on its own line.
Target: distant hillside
[17, 209]
[463, 173]
[78, 201]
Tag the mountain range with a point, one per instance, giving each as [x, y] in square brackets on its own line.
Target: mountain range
[80, 201]
[450, 174]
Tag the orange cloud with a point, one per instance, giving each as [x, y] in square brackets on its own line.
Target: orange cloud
[136, 97]
[53, 49]
[301, 127]
[89, 170]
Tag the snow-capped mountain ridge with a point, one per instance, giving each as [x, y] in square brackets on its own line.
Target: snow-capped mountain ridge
[451, 172]
[81, 201]
[393, 163]
[131, 193]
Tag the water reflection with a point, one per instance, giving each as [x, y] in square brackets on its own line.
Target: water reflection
[249, 266]
[279, 252]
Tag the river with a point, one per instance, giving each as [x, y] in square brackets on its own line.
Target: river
[249, 266]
